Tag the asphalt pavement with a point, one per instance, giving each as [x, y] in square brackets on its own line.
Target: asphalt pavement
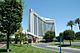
[56, 48]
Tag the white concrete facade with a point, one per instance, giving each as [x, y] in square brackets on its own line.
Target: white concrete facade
[39, 25]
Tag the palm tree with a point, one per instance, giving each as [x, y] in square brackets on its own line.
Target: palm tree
[77, 21]
[70, 23]
[18, 34]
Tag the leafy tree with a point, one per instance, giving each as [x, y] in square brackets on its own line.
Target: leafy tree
[61, 34]
[18, 34]
[10, 17]
[77, 21]
[23, 38]
[69, 35]
[62, 37]
[2, 37]
[77, 35]
[49, 35]
[70, 23]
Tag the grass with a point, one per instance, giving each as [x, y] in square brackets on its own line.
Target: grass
[27, 49]
[75, 46]
[54, 44]
[76, 41]
[72, 41]
[65, 45]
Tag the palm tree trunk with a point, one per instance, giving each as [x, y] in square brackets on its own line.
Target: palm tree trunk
[71, 27]
[79, 26]
[16, 39]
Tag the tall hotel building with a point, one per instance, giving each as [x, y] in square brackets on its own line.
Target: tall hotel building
[39, 25]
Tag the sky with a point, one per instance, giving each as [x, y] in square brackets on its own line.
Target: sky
[61, 11]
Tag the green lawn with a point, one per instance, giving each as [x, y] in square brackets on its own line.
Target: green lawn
[52, 44]
[75, 46]
[76, 41]
[72, 41]
[27, 49]
[66, 45]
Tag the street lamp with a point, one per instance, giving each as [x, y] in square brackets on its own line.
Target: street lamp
[60, 44]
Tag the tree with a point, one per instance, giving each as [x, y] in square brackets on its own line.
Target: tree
[49, 35]
[77, 35]
[10, 17]
[77, 21]
[60, 34]
[69, 35]
[19, 35]
[62, 37]
[70, 23]
[2, 37]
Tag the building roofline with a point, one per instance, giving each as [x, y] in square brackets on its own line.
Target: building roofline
[46, 20]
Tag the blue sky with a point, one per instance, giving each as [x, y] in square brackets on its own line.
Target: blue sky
[60, 10]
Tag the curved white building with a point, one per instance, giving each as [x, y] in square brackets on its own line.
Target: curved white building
[39, 25]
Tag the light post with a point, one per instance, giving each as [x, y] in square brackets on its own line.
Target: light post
[60, 44]
[79, 23]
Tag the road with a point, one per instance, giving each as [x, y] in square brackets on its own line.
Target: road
[55, 48]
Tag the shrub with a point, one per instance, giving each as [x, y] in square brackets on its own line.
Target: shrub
[49, 35]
